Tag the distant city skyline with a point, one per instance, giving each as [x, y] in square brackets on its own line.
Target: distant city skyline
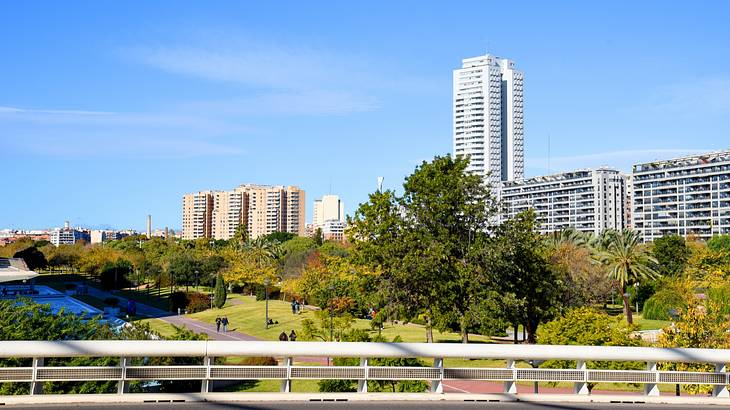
[111, 111]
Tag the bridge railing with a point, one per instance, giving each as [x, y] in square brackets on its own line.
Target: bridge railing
[206, 372]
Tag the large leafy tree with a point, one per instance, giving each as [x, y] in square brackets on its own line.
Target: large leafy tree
[671, 253]
[429, 242]
[627, 261]
[531, 292]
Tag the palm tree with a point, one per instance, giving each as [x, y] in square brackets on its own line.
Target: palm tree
[627, 261]
[262, 251]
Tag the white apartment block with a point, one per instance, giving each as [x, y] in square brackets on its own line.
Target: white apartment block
[330, 207]
[586, 200]
[488, 122]
[683, 196]
[262, 208]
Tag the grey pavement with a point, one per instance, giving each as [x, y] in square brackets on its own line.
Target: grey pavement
[369, 405]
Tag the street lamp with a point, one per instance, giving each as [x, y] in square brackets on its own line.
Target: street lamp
[196, 279]
[332, 327]
[266, 293]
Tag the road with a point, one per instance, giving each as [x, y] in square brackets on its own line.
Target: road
[369, 405]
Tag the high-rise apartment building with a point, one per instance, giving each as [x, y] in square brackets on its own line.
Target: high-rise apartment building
[488, 123]
[262, 208]
[683, 196]
[197, 215]
[228, 207]
[330, 207]
[586, 200]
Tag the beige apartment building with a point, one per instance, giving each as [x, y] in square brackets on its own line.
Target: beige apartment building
[263, 208]
[197, 215]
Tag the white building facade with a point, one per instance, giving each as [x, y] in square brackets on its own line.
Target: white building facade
[330, 207]
[488, 121]
[684, 196]
[586, 200]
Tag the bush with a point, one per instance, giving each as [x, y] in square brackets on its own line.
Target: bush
[663, 303]
[197, 302]
[259, 361]
[179, 300]
[721, 297]
[585, 326]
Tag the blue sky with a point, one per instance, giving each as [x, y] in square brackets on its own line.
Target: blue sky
[112, 110]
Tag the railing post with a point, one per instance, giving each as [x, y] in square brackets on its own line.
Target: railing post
[123, 384]
[36, 387]
[362, 384]
[437, 385]
[205, 383]
[510, 386]
[582, 387]
[652, 389]
[286, 383]
[721, 390]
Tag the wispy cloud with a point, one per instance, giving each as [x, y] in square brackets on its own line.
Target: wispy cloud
[25, 111]
[281, 79]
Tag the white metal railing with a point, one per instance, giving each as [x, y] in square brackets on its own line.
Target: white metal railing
[36, 374]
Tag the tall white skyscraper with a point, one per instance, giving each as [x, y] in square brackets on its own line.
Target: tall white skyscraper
[488, 117]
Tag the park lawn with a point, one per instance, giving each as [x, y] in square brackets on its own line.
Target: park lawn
[649, 324]
[160, 326]
[246, 315]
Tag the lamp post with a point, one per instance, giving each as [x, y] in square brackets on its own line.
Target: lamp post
[332, 327]
[266, 293]
[196, 279]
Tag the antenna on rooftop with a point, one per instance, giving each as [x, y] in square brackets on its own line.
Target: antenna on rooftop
[548, 164]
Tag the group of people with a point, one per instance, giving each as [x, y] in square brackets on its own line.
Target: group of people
[221, 321]
[291, 338]
[296, 307]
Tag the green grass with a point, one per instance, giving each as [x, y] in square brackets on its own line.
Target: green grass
[649, 324]
[247, 315]
[160, 326]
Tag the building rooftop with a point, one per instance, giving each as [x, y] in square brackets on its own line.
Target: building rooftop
[12, 269]
[690, 160]
[561, 176]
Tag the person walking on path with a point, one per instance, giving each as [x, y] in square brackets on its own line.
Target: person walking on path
[293, 306]
[282, 337]
[218, 324]
[292, 336]
[224, 322]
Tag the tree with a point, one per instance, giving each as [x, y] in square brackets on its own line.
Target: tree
[627, 261]
[318, 237]
[182, 269]
[572, 258]
[220, 292]
[671, 253]
[530, 291]
[33, 258]
[281, 237]
[428, 244]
